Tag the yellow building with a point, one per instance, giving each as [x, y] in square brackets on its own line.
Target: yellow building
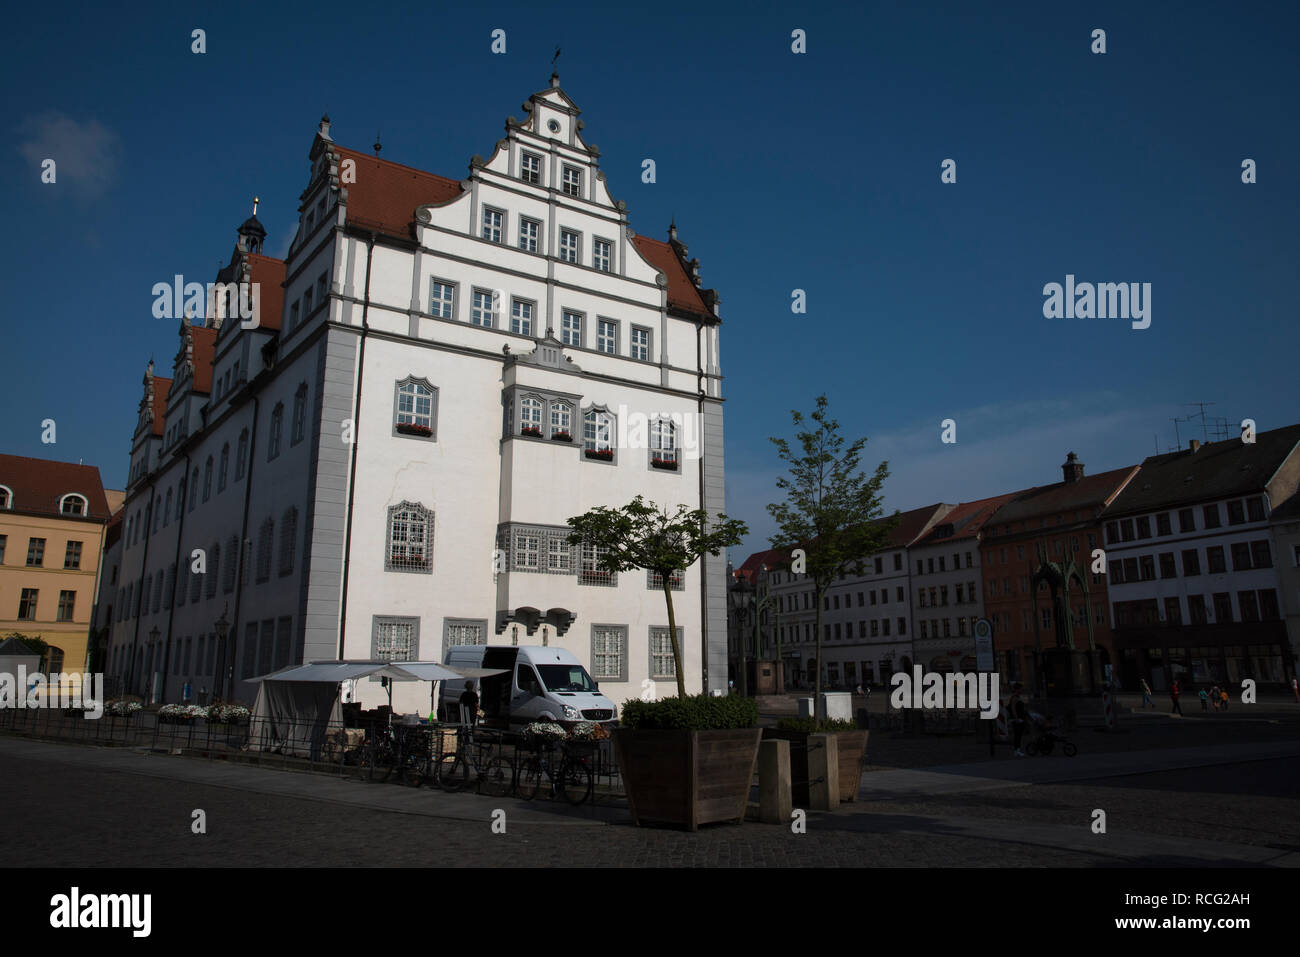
[52, 521]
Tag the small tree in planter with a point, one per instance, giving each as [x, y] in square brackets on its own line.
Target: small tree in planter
[641, 535]
[832, 512]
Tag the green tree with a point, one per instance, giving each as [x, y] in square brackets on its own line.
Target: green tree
[832, 511]
[642, 535]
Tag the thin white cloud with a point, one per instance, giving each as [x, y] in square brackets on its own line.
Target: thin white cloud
[86, 153]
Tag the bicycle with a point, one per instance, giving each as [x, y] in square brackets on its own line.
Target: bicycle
[494, 774]
[393, 751]
[1046, 738]
[572, 775]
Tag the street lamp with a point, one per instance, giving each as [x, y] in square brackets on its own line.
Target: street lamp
[759, 605]
[153, 650]
[222, 627]
[737, 595]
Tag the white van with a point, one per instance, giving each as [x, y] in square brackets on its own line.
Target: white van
[538, 684]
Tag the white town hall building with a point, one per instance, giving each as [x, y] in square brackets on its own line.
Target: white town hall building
[384, 464]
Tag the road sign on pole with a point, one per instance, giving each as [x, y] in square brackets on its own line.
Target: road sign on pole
[984, 660]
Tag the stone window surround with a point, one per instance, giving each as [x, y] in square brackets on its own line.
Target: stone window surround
[433, 412]
[621, 675]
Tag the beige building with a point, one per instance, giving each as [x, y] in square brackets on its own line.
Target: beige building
[1285, 525]
[52, 521]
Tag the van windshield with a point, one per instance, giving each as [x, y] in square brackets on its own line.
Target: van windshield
[566, 678]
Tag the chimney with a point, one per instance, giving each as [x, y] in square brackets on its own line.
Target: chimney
[1193, 445]
[1072, 469]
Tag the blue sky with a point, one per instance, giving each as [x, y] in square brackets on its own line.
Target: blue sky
[818, 171]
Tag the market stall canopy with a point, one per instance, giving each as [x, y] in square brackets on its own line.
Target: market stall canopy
[333, 672]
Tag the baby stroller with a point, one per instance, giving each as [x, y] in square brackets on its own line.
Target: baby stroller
[1043, 737]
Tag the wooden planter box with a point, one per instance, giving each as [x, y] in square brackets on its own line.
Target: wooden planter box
[687, 778]
[850, 745]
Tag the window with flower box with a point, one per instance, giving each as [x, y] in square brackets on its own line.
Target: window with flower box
[410, 539]
[530, 416]
[561, 422]
[663, 444]
[415, 409]
[597, 435]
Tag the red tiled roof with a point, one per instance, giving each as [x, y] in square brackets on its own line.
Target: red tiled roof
[38, 484]
[386, 194]
[966, 519]
[268, 273]
[682, 293]
[1091, 491]
[205, 346]
[161, 387]
[913, 524]
[772, 558]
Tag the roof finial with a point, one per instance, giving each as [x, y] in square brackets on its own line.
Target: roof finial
[672, 229]
[378, 146]
[256, 200]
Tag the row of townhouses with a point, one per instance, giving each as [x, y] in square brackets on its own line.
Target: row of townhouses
[382, 462]
[1186, 567]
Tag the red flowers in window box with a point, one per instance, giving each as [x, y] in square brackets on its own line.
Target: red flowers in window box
[414, 428]
[670, 464]
[605, 455]
[560, 436]
[532, 430]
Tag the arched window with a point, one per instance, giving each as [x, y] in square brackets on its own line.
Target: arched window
[6, 497]
[207, 479]
[224, 468]
[415, 409]
[241, 456]
[561, 421]
[410, 539]
[530, 416]
[277, 427]
[663, 443]
[597, 434]
[298, 427]
[71, 504]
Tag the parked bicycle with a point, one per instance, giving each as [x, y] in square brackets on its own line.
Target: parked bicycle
[478, 756]
[571, 775]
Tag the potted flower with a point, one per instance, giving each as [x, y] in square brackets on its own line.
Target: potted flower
[531, 430]
[414, 428]
[850, 745]
[688, 761]
[227, 714]
[669, 464]
[604, 455]
[559, 435]
[122, 708]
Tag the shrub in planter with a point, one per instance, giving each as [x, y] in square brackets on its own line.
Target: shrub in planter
[688, 761]
[850, 744]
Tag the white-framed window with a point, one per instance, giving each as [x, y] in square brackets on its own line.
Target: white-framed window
[415, 408]
[526, 550]
[641, 343]
[609, 652]
[530, 168]
[571, 328]
[530, 416]
[521, 316]
[571, 180]
[396, 639]
[529, 230]
[298, 428]
[272, 442]
[72, 504]
[568, 246]
[480, 313]
[663, 441]
[662, 662]
[493, 220]
[410, 539]
[6, 497]
[597, 432]
[223, 468]
[561, 420]
[442, 299]
[590, 571]
[559, 555]
[602, 254]
[241, 462]
[607, 336]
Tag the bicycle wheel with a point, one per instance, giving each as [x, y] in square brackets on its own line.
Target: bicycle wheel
[496, 778]
[575, 781]
[453, 772]
[530, 779]
[414, 770]
[1068, 749]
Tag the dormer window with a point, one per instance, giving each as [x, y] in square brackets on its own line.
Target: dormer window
[530, 168]
[572, 180]
[72, 505]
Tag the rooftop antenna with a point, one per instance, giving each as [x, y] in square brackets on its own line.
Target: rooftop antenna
[378, 146]
[555, 59]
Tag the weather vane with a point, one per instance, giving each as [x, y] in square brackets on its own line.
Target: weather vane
[555, 59]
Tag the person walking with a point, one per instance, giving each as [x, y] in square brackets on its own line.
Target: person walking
[1019, 717]
[1295, 688]
[469, 705]
[1205, 701]
[1146, 695]
[1174, 692]
[1224, 700]
[1214, 697]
